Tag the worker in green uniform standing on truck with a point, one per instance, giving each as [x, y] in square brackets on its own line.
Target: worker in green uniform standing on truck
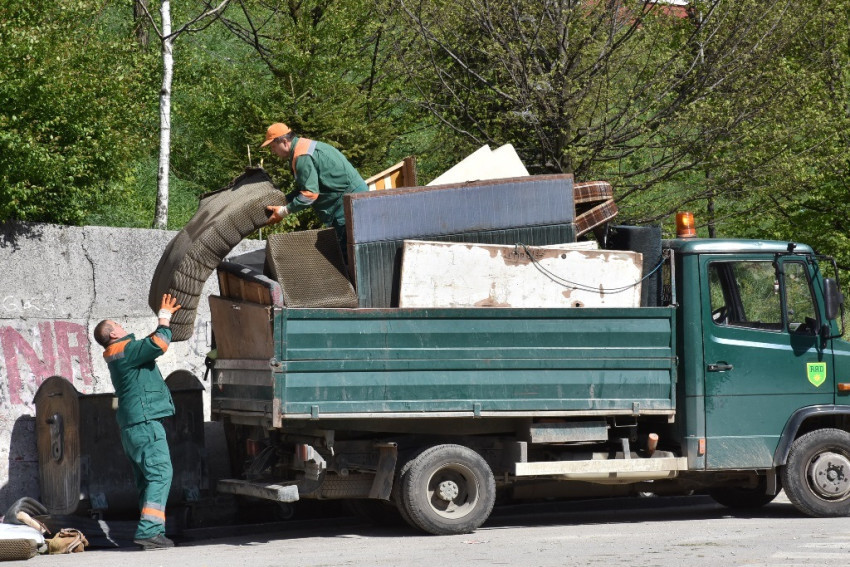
[143, 401]
[322, 176]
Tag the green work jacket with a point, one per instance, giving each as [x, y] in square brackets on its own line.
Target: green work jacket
[322, 177]
[141, 391]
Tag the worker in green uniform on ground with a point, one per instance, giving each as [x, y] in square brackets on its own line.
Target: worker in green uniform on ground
[143, 401]
[322, 176]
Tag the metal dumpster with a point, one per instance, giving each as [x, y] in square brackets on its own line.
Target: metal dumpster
[82, 466]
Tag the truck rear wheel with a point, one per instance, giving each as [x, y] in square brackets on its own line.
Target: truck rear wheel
[448, 489]
[816, 476]
[396, 497]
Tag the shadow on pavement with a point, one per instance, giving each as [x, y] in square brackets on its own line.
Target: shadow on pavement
[550, 513]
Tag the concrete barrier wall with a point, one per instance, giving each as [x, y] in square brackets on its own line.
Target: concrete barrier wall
[56, 284]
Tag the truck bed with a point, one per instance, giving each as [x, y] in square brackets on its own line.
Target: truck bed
[399, 363]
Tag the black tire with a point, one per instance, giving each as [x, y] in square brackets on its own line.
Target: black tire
[448, 489]
[816, 476]
[284, 511]
[743, 498]
[395, 497]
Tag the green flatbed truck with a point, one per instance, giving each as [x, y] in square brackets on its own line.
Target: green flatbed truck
[738, 386]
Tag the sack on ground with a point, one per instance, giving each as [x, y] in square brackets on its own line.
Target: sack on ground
[68, 540]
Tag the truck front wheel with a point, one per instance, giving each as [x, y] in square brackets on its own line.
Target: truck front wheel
[816, 476]
[448, 489]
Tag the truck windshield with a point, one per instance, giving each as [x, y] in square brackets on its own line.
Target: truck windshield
[802, 317]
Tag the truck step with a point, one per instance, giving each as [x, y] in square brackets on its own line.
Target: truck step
[280, 492]
[611, 470]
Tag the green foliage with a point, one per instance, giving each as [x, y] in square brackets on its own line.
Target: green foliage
[220, 90]
[727, 109]
[69, 115]
[737, 111]
[328, 66]
[135, 194]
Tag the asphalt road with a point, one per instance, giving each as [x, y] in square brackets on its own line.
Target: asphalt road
[692, 531]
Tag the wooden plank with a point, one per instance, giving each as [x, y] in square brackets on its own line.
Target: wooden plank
[223, 284]
[258, 293]
[409, 169]
[283, 492]
[237, 281]
[234, 287]
[241, 329]
[604, 467]
[568, 432]
[57, 410]
[441, 274]
[402, 174]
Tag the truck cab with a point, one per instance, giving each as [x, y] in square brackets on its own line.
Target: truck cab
[763, 360]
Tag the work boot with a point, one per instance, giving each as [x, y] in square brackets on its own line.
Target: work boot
[158, 541]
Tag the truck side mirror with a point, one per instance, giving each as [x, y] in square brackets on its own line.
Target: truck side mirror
[832, 298]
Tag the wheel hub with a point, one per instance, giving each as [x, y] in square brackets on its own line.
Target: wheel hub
[830, 475]
[448, 490]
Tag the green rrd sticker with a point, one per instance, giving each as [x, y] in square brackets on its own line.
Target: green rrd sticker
[816, 372]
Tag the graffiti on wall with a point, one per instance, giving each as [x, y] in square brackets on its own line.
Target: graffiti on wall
[48, 349]
[12, 305]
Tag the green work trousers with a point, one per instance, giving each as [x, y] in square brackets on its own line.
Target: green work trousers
[147, 448]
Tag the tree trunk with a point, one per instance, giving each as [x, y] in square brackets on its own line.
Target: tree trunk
[139, 16]
[161, 215]
[712, 228]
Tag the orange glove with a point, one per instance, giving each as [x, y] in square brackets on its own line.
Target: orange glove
[167, 307]
[277, 213]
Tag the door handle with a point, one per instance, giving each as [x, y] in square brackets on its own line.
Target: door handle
[720, 367]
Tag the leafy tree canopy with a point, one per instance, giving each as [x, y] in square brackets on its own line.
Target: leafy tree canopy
[736, 110]
[70, 107]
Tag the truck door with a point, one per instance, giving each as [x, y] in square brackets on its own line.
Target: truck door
[763, 356]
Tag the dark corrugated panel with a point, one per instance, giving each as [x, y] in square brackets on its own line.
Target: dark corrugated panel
[377, 273]
[647, 241]
[377, 265]
[309, 268]
[420, 212]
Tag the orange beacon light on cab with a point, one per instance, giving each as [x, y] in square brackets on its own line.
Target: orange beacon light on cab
[685, 225]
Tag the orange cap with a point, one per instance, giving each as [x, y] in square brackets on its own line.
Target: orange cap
[275, 131]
